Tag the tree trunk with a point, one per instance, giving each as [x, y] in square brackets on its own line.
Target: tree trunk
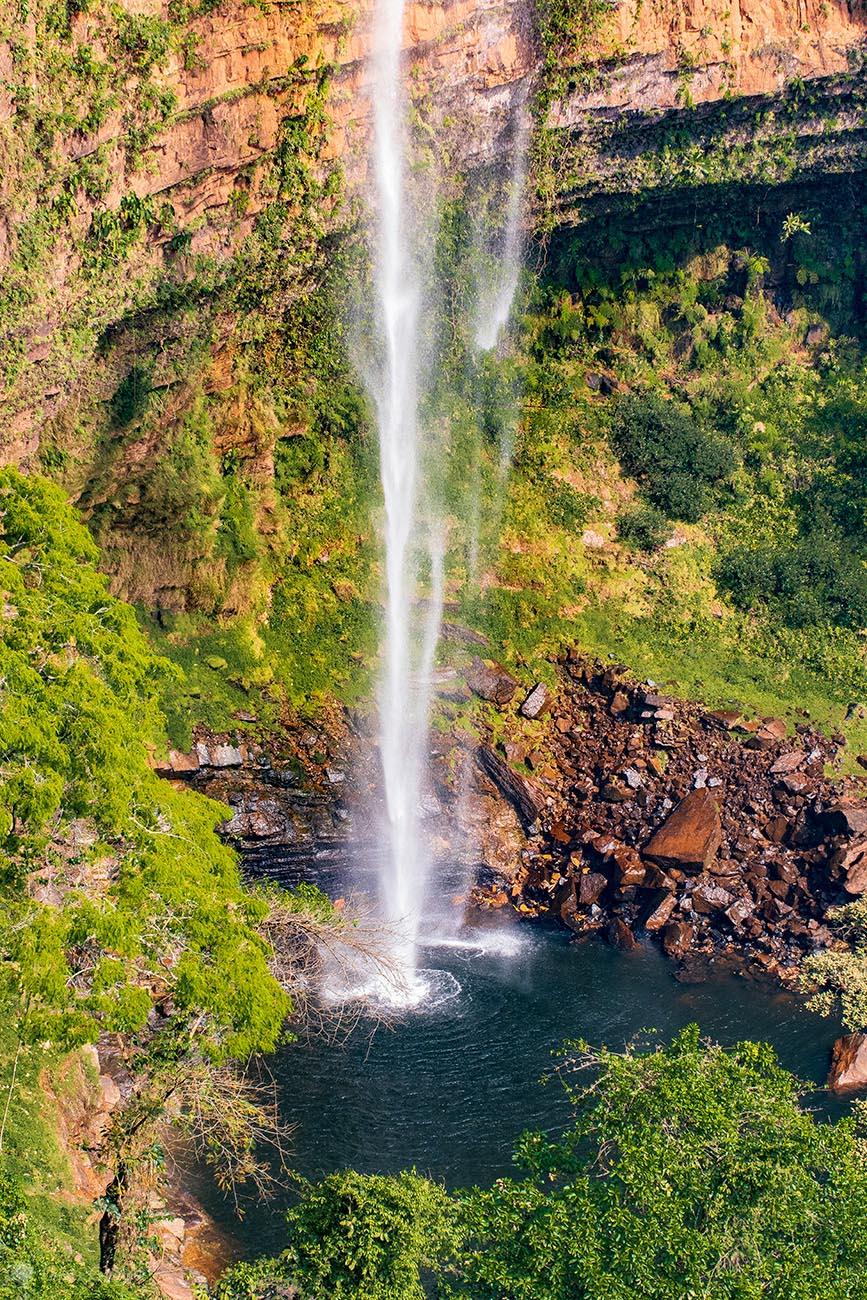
[110, 1223]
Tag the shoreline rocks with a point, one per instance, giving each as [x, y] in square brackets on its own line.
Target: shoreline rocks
[849, 1064]
[718, 834]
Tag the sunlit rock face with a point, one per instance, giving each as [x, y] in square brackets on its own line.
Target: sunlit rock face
[241, 73]
[468, 60]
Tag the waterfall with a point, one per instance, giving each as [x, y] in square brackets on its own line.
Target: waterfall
[404, 684]
[497, 290]
[497, 274]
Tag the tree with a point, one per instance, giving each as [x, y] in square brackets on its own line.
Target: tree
[687, 1172]
[357, 1237]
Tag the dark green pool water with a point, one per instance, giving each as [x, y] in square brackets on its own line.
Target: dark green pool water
[450, 1087]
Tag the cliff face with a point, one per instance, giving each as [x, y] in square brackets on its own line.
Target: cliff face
[142, 146]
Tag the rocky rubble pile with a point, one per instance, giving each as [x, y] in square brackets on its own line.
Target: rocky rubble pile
[721, 835]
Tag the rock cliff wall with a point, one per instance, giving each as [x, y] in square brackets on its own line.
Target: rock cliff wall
[150, 151]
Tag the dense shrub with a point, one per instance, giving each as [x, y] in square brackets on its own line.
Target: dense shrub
[566, 506]
[80, 713]
[643, 527]
[811, 580]
[689, 1171]
[131, 397]
[357, 1237]
[840, 487]
[680, 465]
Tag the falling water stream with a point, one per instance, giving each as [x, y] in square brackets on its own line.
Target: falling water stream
[413, 542]
[497, 289]
[408, 652]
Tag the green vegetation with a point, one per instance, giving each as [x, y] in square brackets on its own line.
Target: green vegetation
[642, 527]
[680, 465]
[836, 980]
[680, 365]
[357, 1237]
[566, 29]
[39, 1265]
[685, 1171]
[117, 893]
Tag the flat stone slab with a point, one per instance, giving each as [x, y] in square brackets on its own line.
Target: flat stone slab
[691, 836]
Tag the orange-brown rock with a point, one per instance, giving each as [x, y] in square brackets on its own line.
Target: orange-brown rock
[524, 796]
[470, 64]
[849, 1063]
[659, 910]
[852, 863]
[677, 938]
[691, 836]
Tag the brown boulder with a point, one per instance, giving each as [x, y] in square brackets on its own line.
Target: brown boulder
[739, 912]
[849, 1063]
[659, 911]
[796, 783]
[591, 884]
[177, 764]
[619, 935]
[852, 863]
[849, 816]
[691, 836]
[677, 938]
[490, 681]
[788, 762]
[523, 795]
[708, 897]
[727, 718]
[629, 868]
[769, 732]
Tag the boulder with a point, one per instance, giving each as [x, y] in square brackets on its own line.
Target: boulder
[677, 938]
[728, 719]
[591, 885]
[659, 910]
[527, 800]
[619, 935]
[851, 862]
[490, 681]
[849, 1063]
[708, 897]
[537, 702]
[849, 816]
[177, 764]
[629, 869]
[739, 912]
[219, 755]
[691, 836]
[797, 783]
[788, 762]
[767, 734]
[619, 702]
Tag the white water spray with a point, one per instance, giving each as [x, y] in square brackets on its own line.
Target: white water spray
[497, 293]
[405, 683]
[498, 272]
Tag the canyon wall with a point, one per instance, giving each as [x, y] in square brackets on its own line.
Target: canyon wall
[161, 159]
